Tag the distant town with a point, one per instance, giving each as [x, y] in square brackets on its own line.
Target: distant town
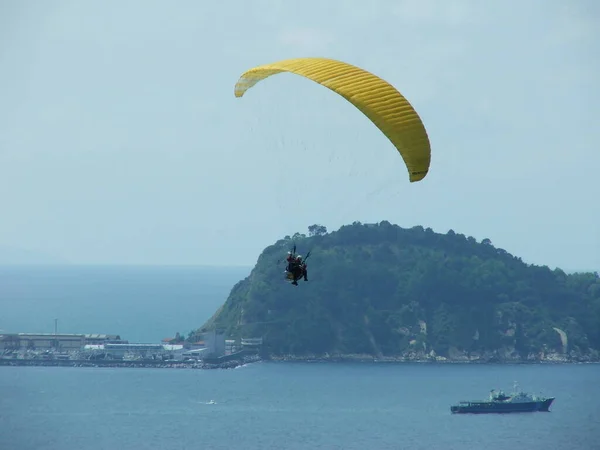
[54, 349]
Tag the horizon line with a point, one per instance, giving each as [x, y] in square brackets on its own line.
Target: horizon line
[69, 264]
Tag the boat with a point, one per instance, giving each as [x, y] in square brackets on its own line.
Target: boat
[499, 402]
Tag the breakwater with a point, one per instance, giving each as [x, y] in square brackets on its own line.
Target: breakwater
[154, 364]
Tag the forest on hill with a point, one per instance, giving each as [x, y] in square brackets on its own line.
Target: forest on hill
[387, 291]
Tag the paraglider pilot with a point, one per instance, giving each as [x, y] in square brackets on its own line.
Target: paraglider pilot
[296, 267]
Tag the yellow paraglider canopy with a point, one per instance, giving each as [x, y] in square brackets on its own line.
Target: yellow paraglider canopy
[374, 97]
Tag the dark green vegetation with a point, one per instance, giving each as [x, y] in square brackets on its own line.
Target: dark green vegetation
[384, 290]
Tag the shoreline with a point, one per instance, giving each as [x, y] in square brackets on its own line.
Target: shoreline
[551, 358]
[308, 359]
[143, 363]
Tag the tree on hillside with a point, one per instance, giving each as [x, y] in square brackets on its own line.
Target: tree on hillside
[317, 230]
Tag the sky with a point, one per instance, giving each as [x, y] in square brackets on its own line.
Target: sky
[121, 141]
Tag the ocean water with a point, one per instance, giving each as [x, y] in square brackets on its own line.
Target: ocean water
[258, 406]
[293, 406]
[141, 304]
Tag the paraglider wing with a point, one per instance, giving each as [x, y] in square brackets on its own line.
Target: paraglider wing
[374, 97]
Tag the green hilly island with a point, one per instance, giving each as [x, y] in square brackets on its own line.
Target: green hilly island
[412, 294]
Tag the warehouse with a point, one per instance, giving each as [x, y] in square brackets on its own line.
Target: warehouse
[41, 341]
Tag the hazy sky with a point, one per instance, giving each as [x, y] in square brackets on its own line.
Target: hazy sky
[121, 140]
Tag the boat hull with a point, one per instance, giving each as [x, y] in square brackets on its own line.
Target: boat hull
[501, 407]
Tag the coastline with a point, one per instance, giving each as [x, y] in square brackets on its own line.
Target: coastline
[141, 363]
[497, 357]
[505, 356]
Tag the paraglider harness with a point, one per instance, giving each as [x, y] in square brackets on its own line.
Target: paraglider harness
[295, 270]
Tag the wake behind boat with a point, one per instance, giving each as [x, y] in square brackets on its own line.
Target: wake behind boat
[499, 402]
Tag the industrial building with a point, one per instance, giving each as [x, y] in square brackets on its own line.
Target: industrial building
[98, 339]
[50, 341]
[252, 344]
[41, 341]
[197, 354]
[214, 342]
[144, 350]
[113, 347]
[229, 346]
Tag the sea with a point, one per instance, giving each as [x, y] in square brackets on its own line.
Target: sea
[142, 304]
[265, 405]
